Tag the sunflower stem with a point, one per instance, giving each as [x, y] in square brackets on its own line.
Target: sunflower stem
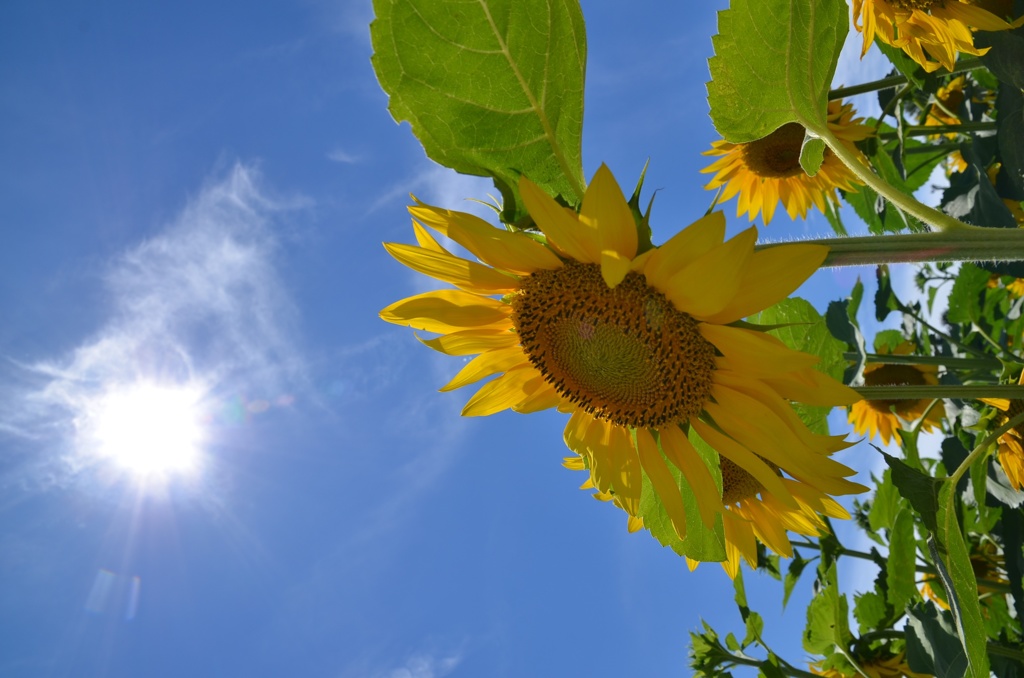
[982, 448]
[959, 391]
[929, 215]
[927, 130]
[961, 243]
[948, 361]
[962, 66]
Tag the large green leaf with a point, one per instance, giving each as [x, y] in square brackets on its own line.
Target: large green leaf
[774, 61]
[491, 87]
[961, 584]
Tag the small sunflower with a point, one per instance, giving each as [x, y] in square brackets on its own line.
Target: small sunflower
[636, 346]
[882, 664]
[926, 28]
[988, 565]
[883, 418]
[1011, 443]
[944, 110]
[768, 170]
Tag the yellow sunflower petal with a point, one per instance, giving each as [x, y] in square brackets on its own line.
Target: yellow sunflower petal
[504, 250]
[471, 341]
[661, 478]
[564, 231]
[542, 396]
[486, 364]
[445, 311]
[680, 452]
[710, 283]
[755, 353]
[811, 387]
[605, 210]
[768, 277]
[684, 248]
[746, 460]
[614, 267]
[500, 393]
[459, 272]
[425, 240]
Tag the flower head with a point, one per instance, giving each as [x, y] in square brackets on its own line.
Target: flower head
[883, 663]
[939, 29]
[636, 346]
[1011, 443]
[767, 171]
[883, 418]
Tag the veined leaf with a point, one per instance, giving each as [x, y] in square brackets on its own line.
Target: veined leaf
[491, 87]
[774, 61]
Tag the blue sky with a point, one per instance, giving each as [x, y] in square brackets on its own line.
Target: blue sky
[194, 194]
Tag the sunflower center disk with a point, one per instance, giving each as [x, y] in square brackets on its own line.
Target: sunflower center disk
[776, 156]
[625, 355]
[923, 5]
[894, 375]
[737, 484]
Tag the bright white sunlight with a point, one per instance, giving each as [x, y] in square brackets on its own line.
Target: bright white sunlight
[150, 429]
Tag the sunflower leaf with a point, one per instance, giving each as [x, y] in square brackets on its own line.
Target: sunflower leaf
[960, 582]
[899, 566]
[491, 88]
[773, 64]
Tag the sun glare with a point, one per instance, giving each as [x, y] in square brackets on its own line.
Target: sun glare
[150, 429]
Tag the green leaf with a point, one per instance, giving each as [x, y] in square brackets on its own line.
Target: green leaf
[932, 645]
[492, 88]
[701, 543]
[839, 323]
[899, 567]
[920, 489]
[827, 618]
[870, 610]
[812, 154]
[884, 505]
[773, 64]
[1005, 58]
[966, 295]
[885, 298]
[961, 584]
[796, 568]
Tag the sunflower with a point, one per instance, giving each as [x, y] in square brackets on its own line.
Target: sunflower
[926, 28]
[883, 664]
[883, 417]
[1011, 443]
[768, 170]
[636, 346]
[988, 565]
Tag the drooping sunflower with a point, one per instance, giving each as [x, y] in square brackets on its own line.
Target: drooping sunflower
[636, 346]
[926, 28]
[767, 171]
[989, 567]
[883, 663]
[1011, 443]
[882, 418]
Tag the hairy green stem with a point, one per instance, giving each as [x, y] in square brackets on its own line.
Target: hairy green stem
[927, 130]
[962, 243]
[850, 157]
[948, 361]
[959, 391]
[961, 66]
[981, 448]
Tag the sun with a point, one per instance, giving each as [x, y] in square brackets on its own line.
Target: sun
[150, 429]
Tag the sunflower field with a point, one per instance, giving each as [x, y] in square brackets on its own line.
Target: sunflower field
[696, 388]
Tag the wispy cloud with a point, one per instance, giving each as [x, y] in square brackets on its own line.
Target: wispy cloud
[426, 666]
[342, 156]
[199, 303]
